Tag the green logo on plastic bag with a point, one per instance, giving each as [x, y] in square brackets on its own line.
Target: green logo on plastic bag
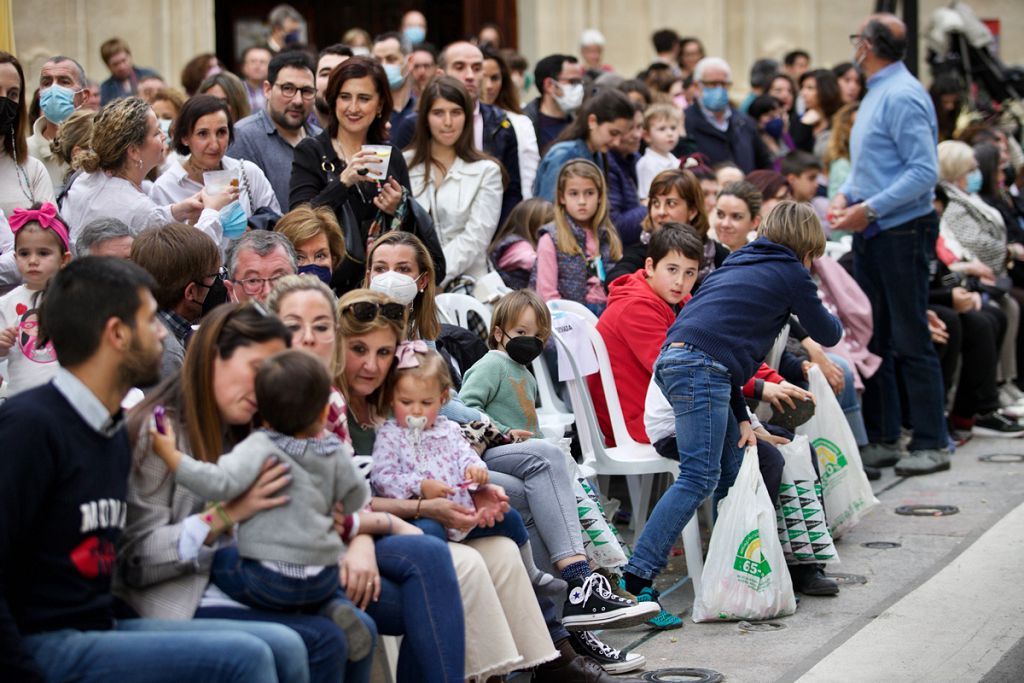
[751, 563]
[831, 459]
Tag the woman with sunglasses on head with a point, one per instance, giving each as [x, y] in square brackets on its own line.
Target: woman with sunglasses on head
[337, 169]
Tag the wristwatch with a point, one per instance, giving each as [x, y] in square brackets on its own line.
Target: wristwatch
[870, 213]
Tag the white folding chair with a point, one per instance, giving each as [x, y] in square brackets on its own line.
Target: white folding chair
[552, 415]
[637, 462]
[455, 308]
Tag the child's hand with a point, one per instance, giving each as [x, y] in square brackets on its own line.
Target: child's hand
[165, 445]
[784, 394]
[491, 504]
[520, 434]
[432, 488]
[7, 338]
[764, 435]
[477, 475]
[747, 437]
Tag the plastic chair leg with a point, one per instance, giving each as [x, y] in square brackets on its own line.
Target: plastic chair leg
[694, 553]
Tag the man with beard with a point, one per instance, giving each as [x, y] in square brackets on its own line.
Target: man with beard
[268, 137]
[330, 57]
[63, 484]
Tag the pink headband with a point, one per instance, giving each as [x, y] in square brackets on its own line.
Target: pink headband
[406, 353]
[45, 215]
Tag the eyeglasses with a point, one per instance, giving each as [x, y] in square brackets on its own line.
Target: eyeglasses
[254, 285]
[366, 311]
[855, 39]
[289, 90]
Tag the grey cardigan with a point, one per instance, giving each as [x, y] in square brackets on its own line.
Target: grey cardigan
[301, 531]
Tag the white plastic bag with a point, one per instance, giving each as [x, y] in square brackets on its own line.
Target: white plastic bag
[848, 495]
[803, 530]
[745, 575]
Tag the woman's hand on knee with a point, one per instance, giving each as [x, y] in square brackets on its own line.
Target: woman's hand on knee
[359, 574]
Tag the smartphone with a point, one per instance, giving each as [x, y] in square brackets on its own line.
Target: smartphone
[160, 418]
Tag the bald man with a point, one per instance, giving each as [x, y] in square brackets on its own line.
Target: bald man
[492, 131]
[887, 203]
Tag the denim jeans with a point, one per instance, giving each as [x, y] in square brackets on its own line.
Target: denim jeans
[892, 269]
[252, 584]
[420, 600]
[165, 651]
[850, 402]
[511, 527]
[699, 388]
[326, 649]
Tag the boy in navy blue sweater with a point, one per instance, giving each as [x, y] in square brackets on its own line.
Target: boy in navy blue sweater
[712, 349]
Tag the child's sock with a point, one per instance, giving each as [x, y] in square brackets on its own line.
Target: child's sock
[576, 570]
[541, 581]
[357, 635]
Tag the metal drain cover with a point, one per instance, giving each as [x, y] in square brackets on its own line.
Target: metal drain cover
[847, 579]
[678, 675]
[759, 626]
[1002, 457]
[927, 510]
[881, 545]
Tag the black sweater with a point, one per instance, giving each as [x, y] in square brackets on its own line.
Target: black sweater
[62, 509]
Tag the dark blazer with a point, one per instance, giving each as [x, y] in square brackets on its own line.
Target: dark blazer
[740, 143]
[499, 141]
[110, 89]
[624, 207]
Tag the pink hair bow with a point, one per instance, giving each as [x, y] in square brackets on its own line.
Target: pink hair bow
[406, 353]
[45, 215]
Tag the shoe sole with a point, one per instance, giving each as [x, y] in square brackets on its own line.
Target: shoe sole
[624, 666]
[913, 473]
[820, 593]
[620, 618]
[360, 642]
[884, 462]
[995, 433]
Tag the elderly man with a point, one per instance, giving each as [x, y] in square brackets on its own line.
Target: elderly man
[255, 262]
[62, 84]
[105, 237]
[887, 202]
[268, 137]
[390, 50]
[722, 132]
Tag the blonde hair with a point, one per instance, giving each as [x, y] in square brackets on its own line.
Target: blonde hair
[75, 131]
[564, 239]
[120, 125]
[659, 112]
[305, 222]
[424, 320]
[290, 284]
[349, 326]
[431, 368]
[956, 159]
[842, 126]
[511, 306]
[794, 225]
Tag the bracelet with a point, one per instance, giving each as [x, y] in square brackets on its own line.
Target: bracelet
[222, 513]
[419, 502]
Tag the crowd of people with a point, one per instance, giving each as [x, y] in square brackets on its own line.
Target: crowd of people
[240, 442]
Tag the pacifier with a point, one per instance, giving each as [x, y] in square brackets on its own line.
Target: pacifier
[416, 426]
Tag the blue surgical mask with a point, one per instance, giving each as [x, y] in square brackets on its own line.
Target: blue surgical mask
[414, 34]
[715, 99]
[322, 272]
[974, 181]
[394, 74]
[57, 103]
[775, 127]
[233, 220]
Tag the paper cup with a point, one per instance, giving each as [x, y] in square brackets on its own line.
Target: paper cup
[379, 170]
[216, 181]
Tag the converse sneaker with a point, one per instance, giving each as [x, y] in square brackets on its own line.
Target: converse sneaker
[591, 604]
[611, 660]
[995, 424]
[663, 621]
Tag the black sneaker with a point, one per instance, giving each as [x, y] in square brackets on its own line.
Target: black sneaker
[874, 474]
[995, 424]
[592, 604]
[611, 660]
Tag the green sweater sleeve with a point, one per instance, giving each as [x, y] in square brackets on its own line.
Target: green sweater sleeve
[480, 386]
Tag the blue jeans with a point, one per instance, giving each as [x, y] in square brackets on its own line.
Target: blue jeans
[420, 600]
[324, 640]
[892, 269]
[850, 402]
[699, 388]
[165, 651]
[252, 584]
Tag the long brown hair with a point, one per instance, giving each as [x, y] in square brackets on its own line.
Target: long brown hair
[190, 394]
[508, 97]
[564, 239]
[15, 146]
[451, 89]
[423, 321]
[360, 67]
[688, 188]
[525, 219]
[349, 327]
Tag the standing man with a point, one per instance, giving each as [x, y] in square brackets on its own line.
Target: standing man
[124, 76]
[285, 28]
[423, 66]
[887, 201]
[390, 51]
[62, 84]
[268, 137]
[330, 57]
[559, 79]
[255, 61]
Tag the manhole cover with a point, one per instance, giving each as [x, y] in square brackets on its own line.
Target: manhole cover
[1002, 457]
[927, 510]
[682, 674]
[847, 579]
[881, 545]
[757, 626]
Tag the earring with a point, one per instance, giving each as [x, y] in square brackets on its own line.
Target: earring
[139, 161]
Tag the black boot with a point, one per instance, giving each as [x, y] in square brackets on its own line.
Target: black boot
[810, 579]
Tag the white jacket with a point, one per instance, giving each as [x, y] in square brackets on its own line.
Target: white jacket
[465, 209]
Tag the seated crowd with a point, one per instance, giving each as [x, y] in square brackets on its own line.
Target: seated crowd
[241, 443]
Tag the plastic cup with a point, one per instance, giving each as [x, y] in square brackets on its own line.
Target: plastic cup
[379, 170]
[216, 181]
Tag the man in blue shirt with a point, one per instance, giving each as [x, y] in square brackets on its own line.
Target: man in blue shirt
[887, 202]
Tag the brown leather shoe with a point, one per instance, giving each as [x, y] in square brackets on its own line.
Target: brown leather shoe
[571, 668]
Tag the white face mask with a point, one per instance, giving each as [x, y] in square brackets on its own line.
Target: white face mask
[571, 98]
[397, 286]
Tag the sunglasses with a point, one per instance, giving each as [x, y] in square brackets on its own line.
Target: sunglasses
[366, 311]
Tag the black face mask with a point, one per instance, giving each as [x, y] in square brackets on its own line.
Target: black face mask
[1009, 175]
[217, 295]
[523, 350]
[8, 112]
